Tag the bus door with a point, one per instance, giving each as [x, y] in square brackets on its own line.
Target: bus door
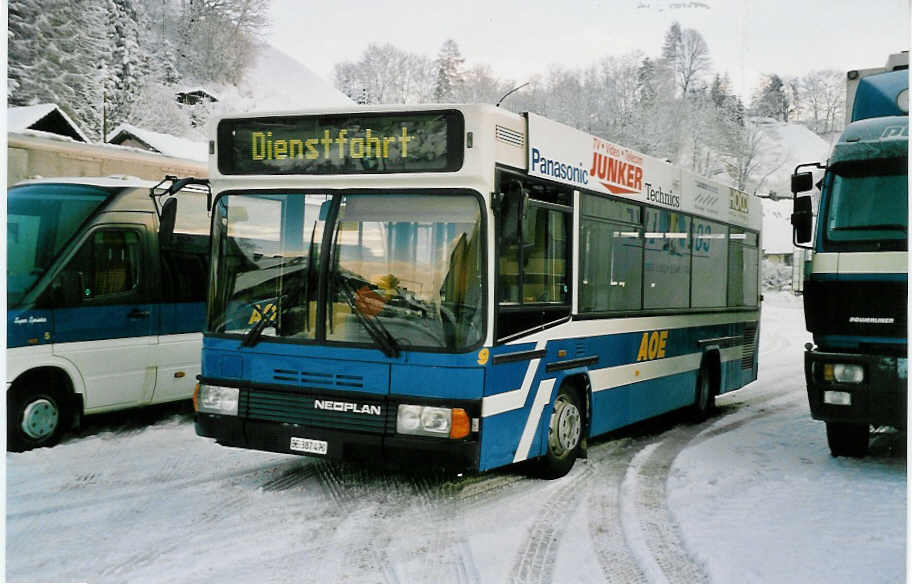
[104, 317]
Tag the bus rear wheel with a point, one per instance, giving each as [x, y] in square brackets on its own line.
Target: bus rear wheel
[565, 433]
[35, 417]
[848, 439]
[705, 398]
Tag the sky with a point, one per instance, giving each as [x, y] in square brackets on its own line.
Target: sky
[518, 40]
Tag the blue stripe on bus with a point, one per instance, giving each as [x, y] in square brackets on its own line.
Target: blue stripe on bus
[443, 375]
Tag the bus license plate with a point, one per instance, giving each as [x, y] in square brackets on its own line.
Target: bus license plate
[309, 446]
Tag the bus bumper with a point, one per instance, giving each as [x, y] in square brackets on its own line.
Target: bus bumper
[879, 399]
[408, 451]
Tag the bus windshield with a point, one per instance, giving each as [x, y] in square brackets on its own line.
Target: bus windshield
[402, 270]
[41, 219]
[868, 207]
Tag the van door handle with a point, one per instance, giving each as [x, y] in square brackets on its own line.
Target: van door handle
[137, 313]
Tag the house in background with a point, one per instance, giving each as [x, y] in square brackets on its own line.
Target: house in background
[196, 96]
[131, 136]
[44, 117]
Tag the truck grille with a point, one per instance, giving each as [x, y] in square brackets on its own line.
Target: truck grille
[319, 411]
[856, 308]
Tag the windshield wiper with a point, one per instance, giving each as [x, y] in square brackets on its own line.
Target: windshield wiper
[874, 227]
[373, 326]
[253, 335]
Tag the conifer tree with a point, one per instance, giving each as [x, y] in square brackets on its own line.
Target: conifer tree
[449, 71]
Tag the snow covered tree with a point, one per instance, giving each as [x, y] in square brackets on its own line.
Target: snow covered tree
[822, 100]
[56, 51]
[216, 38]
[129, 67]
[449, 71]
[772, 101]
[386, 74]
[646, 83]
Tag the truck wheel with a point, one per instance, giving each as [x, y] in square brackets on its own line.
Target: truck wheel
[848, 439]
[565, 433]
[35, 417]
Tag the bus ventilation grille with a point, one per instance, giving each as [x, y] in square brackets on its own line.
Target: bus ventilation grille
[294, 407]
[509, 136]
[749, 347]
[316, 379]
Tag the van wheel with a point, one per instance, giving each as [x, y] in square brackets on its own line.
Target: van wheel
[564, 435]
[35, 417]
[848, 439]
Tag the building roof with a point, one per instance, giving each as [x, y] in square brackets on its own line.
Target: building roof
[162, 143]
[44, 117]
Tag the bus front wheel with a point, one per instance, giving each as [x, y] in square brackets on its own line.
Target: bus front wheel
[35, 417]
[848, 439]
[565, 433]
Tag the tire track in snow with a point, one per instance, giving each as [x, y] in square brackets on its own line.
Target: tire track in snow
[604, 517]
[537, 554]
[376, 505]
[652, 534]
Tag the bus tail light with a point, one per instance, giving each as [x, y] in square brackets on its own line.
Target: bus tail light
[196, 390]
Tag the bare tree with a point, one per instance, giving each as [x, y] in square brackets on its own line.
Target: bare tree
[692, 60]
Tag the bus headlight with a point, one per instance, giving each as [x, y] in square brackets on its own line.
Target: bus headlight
[215, 399]
[432, 421]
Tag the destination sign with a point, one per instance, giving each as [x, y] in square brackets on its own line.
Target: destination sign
[342, 144]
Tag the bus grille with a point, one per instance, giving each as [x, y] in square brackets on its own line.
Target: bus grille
[318, 379]
[749, 346]
[295, 407]
[509, 136]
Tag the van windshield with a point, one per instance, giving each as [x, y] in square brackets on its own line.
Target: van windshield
[41, 219]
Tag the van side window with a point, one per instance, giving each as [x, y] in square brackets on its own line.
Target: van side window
[107, 268]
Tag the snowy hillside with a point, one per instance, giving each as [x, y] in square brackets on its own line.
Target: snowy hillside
[278, 82]
[784, 146]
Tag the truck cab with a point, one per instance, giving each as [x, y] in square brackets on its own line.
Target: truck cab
[855, 293]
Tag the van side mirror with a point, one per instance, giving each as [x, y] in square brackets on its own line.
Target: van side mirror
[512, 206]
[802, 182]
[166, 220]
[802, 218]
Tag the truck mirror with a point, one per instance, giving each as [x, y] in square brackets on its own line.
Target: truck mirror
[802, 217]
[802, 182]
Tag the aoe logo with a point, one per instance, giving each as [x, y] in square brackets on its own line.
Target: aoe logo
[652, 346]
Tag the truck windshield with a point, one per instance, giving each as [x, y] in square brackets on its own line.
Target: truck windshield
[41, 219]
[867, 207]
[402, 270]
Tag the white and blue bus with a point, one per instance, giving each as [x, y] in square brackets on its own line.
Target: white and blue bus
[463, 284]
[104, 308]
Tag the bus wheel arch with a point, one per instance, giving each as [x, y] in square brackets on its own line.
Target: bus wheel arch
[709, 378]
[567, 428]
[40, 406]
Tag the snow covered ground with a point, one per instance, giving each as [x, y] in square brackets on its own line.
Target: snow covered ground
[752, 495]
